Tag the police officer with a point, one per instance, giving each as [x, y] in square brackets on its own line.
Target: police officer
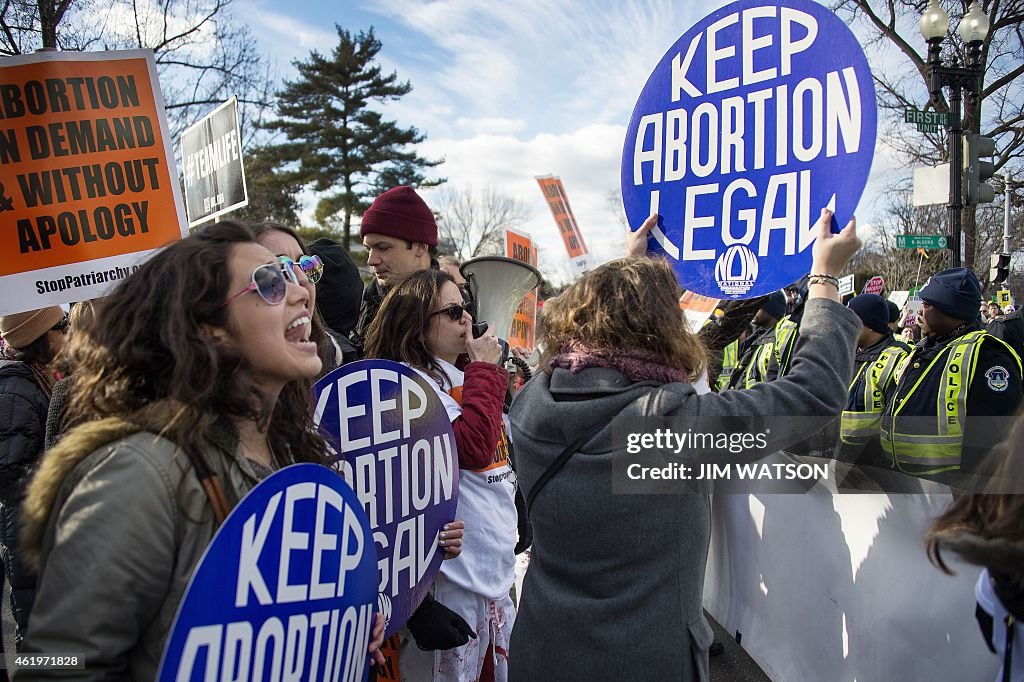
[955, 375]
[787, 331]
[878, 354]
[756, 351]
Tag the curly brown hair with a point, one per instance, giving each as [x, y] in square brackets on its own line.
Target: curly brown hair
[630, 303]
[147, 346]
[399, 329]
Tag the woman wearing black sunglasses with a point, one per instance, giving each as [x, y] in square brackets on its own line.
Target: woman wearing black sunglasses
[192, 385]
[424, 324]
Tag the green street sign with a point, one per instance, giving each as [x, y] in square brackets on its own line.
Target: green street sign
[922, 241]
[928, 119]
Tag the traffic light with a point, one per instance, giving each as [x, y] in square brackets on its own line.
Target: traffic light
[999, 268]
[977, 170]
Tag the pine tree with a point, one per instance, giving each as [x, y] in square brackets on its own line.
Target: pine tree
[336, 144]
[271, 197]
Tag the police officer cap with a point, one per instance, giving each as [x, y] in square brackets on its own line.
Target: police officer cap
[872, 311]
[956, 292]
[775, 305]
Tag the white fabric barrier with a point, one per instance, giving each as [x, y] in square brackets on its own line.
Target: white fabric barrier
[838, 587]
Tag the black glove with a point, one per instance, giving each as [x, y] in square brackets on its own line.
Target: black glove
[435, 626]
[524, 527]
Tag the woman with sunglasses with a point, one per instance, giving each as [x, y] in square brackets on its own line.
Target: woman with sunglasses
[33, 340]
[185, 401]
[423, 323]
[290, 247]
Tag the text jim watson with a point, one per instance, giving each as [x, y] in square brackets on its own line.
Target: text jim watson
[707, 471]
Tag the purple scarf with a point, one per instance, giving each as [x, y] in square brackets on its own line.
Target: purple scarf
[637, 365]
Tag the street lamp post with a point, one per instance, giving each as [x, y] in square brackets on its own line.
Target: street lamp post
[973, 29]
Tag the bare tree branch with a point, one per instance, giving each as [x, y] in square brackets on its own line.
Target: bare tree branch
[473, 222]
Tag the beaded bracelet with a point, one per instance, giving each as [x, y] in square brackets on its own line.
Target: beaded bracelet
[822, 279]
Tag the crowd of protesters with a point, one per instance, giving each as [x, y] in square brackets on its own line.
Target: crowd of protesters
[128, 438]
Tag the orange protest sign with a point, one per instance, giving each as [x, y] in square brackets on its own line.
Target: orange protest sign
[88, 184]
[522, 333]
[554, 194]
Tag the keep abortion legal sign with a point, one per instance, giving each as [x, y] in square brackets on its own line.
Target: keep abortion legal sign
[759, 116]
[396, 447]
[285, 591]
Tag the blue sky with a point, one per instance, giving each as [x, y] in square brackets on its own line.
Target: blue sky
[506, 91]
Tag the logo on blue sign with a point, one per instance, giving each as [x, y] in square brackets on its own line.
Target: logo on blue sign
[758, 117]
[395, 445]
[286, 589]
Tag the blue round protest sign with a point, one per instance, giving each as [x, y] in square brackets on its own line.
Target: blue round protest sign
[759, 116]
[396, 446]
[286, 589]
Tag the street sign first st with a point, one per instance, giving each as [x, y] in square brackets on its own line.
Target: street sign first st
[926, 121]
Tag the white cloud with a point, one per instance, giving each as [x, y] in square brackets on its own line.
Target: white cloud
[286, 36]
[586, 159]
[489, 125]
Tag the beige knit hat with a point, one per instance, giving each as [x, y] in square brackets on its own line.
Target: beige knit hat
[21, 329]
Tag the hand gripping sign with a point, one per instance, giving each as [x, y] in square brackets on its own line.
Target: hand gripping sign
[396, 446]
[757, 118]
[286, 589]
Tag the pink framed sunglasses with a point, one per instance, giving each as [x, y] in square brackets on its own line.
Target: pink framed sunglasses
[268, 280]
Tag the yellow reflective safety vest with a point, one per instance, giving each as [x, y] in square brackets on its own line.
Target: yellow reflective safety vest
[753, 366]
[929, 437]
[730, 358]
[862, 417]
[757, 370]
[786, 332]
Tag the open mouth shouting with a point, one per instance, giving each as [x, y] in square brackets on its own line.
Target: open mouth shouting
[297, 333]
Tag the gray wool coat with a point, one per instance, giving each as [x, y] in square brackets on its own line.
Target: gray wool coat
[615, 583]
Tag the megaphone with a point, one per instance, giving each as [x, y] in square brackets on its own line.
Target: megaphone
[498, 285]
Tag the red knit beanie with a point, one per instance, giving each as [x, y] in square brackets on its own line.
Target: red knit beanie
[402, 214]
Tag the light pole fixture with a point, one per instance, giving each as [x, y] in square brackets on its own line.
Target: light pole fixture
[973, 30]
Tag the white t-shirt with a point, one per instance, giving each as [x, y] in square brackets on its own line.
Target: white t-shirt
[487, 504]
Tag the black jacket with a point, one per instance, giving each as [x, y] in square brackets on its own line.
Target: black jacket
[1009, 328]
[373, 296]
[23, 407]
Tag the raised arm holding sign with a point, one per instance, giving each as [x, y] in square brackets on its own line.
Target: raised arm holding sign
[757, 117]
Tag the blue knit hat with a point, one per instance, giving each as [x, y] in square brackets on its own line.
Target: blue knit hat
[956, 292]
[775, 305]
[872, 311]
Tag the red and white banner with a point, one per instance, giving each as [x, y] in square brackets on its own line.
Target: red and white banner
[554, 193]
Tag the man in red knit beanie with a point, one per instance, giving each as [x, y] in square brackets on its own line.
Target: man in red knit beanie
[400, 234]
